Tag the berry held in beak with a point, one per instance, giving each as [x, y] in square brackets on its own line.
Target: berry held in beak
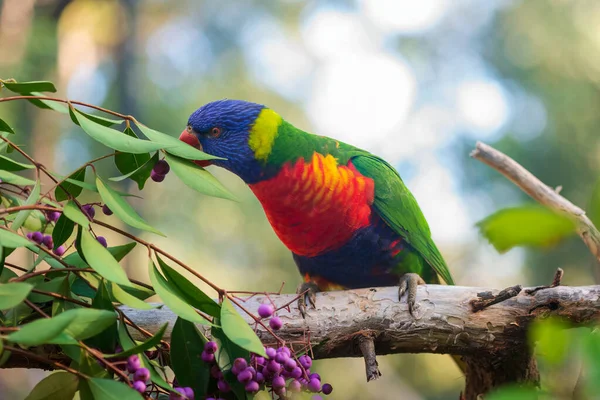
[188, 137]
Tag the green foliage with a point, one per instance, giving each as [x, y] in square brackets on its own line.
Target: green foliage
[57, 386]
[525, 226]
[238, 330]
[187, 344]
[12, 294]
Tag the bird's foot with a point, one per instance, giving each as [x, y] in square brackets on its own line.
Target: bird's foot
[408, 285]
[308, 292]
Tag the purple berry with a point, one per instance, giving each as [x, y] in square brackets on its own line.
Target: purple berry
[161, 167]
[239, 364]
[47, 241]
[271, 352]
[29, 235]
[215, 372]
[189, 392]
[102, 240]
[260, 378]
[259, 360]
[278, 382]
[286, 350]
[106, 210]
[89, 210]
[133, 364]
[282, 357]
[265, 310]
[314, 385]
[273, 366]
[223, 386]
[176, 393]
[252, 387]
[60, 250]
[37, 237]
[207, 357]
[53, 216]
[156, 177]
[245, 376]
[314, 375]
[210, 347]
[305, 361]
[141, 374]
[327, 389]
[296, 373]
[275, 323]
[139, 386]
[290, 364]
[294, 386]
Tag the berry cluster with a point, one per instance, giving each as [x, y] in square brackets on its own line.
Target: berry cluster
[46, 240]
[141, 376]
[280, 371]
[160, 170]
[267, 310]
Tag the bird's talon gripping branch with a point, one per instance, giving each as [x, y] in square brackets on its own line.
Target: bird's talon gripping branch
[309, 291]
[558, 275]
[408, 285]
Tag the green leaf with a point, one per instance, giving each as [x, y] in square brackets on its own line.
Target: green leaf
[8, 164]
[101, 260]
[176, 146]
[142, 347]
[238, 330]
[12, 240]
[47, 104]
[107, 389]
[198, 178]
[72, 211]
[69, 186]
[96, 118]
[133, 165]
[53, 285]
[9, 177]
[62, 230]
[514, 393]
[123, 210]
[13, 293]
[172, 298]
[226, 353]
[192, 294]
[41, 331]
[108, 339]
[88, 322]
[187, 344]
[113, 138]
[28, 87]
[119, 295]
[4, 127]
[32, 199]
[525, 226]
[57, 386]
[550, 339]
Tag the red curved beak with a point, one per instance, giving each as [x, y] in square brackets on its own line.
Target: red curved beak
[193, 141]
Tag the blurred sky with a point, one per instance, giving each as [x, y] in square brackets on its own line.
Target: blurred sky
[416, 82]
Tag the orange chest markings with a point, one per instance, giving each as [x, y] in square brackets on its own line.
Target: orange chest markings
[316, 206]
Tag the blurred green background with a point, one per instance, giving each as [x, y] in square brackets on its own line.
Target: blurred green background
[415, 82]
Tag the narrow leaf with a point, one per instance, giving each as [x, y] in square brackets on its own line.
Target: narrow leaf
[122, 209]
[107, 389]
[187, 344]
[11, 294]
[88, 322]
[62, 230]
[171, 298]
[48, 104]
[40, 331]
[9, 177]
[175, 146]
[12, 240]
[32, 199]
[191, 293]
[142, 347]
[198, 178]
[525, 226]
[72, 211]
[69, 186]
[8, 164]
[238, 330]
[28, 87]
[101, 260]
[96, 118]
[4, 127]
[119, 295]
[131, 165]
[57, 386]
[113, 138]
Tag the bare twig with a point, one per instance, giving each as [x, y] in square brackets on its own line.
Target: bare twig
[367, 348]
[540, 192]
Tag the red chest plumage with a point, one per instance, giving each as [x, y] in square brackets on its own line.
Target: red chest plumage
[316, 206]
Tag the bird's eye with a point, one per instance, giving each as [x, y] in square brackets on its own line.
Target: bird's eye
[189, 128]
[215, 132]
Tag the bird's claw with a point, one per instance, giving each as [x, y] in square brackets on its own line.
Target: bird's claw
[309, 293]
[408, 285]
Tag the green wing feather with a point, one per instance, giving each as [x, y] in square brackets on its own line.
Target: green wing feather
[399, 209]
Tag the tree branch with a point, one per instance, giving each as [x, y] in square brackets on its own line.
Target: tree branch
[540, 192]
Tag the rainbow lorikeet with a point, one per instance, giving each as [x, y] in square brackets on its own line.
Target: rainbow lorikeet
[345, 213]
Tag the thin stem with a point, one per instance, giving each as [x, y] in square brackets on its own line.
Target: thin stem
[60, 297]
[79, 103]
[55, 364]
[36, 308]
[27, 207]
